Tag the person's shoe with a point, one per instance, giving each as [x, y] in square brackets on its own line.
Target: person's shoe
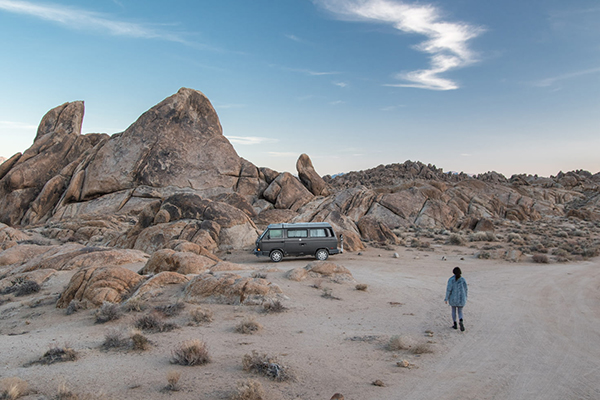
[462, 326]
[454, 326]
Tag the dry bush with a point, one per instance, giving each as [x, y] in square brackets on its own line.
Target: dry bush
[260, 275]
[397, 343]
[589, 252]
[115, 339]
[327, 293]
[22, 287]
[482, 237]
[74, 306]
[456, 240]
[56, 354]
[108, 312]
[484, 255]
[248, 326]
[12, 388]
[421, 348]
[249, 390]
[151, 323]
[540, 258]
[136, 304]
[171, 310]
[515, 238]
[139, 342]
[201, 316]
[172, 381]
[267, 366]
[64, 393]
[273, 307]
[361, 286]
[190, 353]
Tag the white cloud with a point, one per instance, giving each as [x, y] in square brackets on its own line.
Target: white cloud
[341, 84]
[446, 41]
[295, 38]
[337, 102]
[250, 140]
[87, 20]
[551, 81]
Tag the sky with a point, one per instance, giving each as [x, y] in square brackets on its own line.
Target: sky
[509, 86]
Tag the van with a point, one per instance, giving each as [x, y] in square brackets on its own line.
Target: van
[304, 239]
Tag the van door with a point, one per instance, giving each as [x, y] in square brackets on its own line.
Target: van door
[272, 240]
[296, 243]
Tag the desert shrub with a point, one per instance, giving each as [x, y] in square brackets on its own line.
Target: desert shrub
[397, 343]
[260, 275]
[171, 310]
[108, 312]
[135, 304]
[64, 393]
[482, 237]
[361, 286]
[249, 390]
[190, 353]
[514, 238]
[589, 252]
[151, 323]
[267, 366]
[273, 307]
[22, 287]
[200, 315]
[421, 244]
[456, 240]
[115, 339]
[74, 306]
[12, 388]
[56, 354]
[485, 255]
[561, 234]
[173, 381]
[139, 342]
[248, 326]
[327, 293]
[560, 252]
[540, 258]
[421, 348]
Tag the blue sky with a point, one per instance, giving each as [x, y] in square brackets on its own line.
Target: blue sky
[468, 85]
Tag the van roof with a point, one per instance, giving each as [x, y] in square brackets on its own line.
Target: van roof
[307, 225]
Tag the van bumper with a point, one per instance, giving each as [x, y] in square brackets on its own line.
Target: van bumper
[333, 251]
[258, 253]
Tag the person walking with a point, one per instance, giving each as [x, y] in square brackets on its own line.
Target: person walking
[456, 295]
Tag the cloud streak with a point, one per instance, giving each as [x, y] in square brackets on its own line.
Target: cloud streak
[250, 140]
[551, 81]
[446, 42]
[87, 20]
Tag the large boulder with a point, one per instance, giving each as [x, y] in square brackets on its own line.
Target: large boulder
[181, 262]
[230, 288]
[309, 177]
[286, 192]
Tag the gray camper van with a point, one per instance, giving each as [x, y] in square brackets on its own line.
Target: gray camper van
[306, 239]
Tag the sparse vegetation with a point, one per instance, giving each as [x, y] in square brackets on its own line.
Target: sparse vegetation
[108, 312]
[115, 339]
[249, 390]
[12, 388]
[248, 326]
[362, 287]
[421, 348]
[135, 304]
[139, 342]
[456, 240]
[64, 393]
[327, 293]
[190, 353]
[397, 343]
[74, 306]
[484, 255]
[260, 275]
[56, 354]
[540, 258]
[266, 366]
[482, 237]
[171, 310]
[22, 287]
[273, 307]
[200, 316]
[173, 381]
[151, 323]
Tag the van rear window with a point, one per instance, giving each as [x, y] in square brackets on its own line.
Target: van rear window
[297, 233]
[318, 233]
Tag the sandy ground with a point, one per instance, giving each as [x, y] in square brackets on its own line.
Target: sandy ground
[533, 332]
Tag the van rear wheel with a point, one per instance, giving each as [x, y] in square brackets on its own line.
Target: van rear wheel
[276, 255]
[322, 254]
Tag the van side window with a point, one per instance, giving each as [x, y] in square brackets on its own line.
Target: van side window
[297, 233]
[318, 233]
[275, 234]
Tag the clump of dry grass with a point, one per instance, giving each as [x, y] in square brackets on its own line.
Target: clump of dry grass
[65, 393]
[151, 323]
[267, 366]
[12, 388]
[362, 287]
[484, 255]
[482, 237]
[260, 275]
[22, 287]
[200, 316]
[190, 353]
[397, 342]
[327, 293]
[108, 312]
[74, 306]
[136, 304]
[456, 240]
[540, 258]
[273, 307]
[173, 381]
[421, 348]
[139, 342]
[171, 310]
[249, 390]
[248, 326]
[115, 339]
[56, 354]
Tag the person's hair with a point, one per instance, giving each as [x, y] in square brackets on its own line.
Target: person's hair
[457, 273]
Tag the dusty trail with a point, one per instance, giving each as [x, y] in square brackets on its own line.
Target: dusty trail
[532, 333]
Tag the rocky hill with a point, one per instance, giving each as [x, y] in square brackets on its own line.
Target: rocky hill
[173, 178]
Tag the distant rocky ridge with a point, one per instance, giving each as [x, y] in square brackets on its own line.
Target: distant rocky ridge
[173, 181]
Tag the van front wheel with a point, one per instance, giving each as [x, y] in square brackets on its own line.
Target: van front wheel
[322, 254]
[276, 255]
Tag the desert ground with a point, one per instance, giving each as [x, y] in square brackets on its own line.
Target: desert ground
[532, 332]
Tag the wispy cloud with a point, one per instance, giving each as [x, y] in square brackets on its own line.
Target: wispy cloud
[296, 38]
[250, 140]
[16, 125]
[282, 154]
[446, 41]
[341, 84]
[337, 102]
[312, 72]
[75, 18]
[553, 80]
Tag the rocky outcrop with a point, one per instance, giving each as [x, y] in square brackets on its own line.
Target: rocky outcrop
[309, 177]
[230, 288]
[321, 269]
[286, 192]
[96, 285]
[181, 262]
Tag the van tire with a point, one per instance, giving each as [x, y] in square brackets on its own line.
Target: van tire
[322, 254]
[276, 255]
